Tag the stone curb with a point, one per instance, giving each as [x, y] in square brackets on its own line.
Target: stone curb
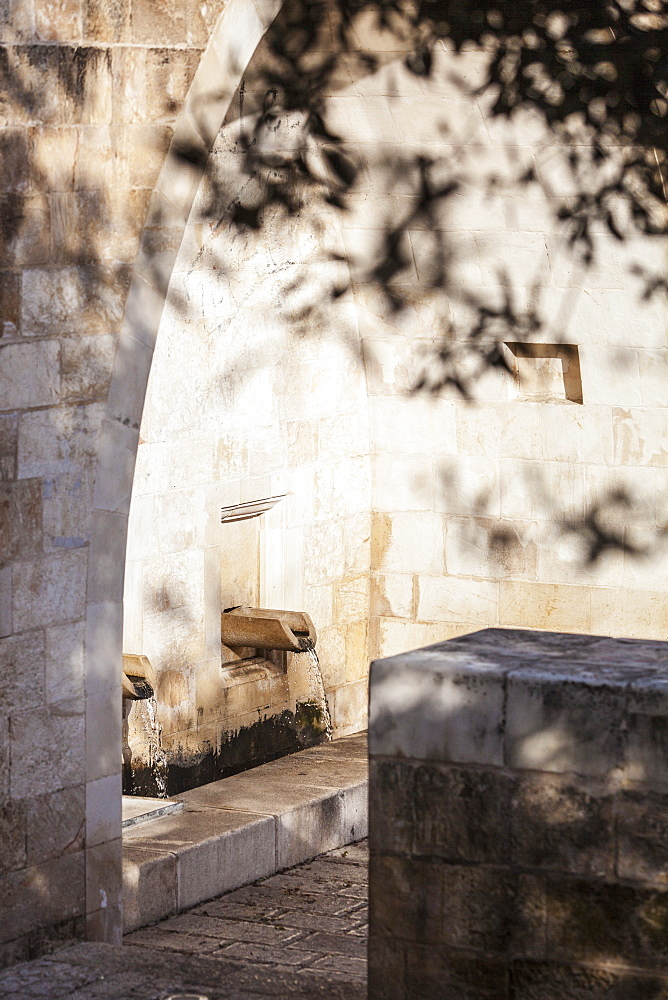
[249, 826]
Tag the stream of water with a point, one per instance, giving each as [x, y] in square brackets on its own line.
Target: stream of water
[147, 710]
[316, 685]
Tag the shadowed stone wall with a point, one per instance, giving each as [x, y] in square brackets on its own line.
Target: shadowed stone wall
[518, 811]
[91, 93]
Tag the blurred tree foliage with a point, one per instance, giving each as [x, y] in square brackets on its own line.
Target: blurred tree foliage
[595, 72]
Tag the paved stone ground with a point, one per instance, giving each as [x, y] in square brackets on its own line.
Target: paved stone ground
[299, 934]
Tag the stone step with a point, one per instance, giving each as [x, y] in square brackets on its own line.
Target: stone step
[136, 809]
[249, 826]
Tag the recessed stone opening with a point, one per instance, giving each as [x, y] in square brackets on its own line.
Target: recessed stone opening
[547, 372]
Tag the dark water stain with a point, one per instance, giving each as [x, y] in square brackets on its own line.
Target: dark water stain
[267, 739]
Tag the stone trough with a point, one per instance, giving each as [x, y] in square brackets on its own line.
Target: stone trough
[248, 826]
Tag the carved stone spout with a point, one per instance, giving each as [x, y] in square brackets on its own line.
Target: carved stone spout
[138, 677]
[263, 628]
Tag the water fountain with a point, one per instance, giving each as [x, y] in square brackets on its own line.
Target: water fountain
[138, 683]
[255, 632]
[261, 642]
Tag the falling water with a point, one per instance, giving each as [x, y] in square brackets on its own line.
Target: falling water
[316, 687]
[152, 744]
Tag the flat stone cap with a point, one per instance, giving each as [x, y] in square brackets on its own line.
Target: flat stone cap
[527, 700]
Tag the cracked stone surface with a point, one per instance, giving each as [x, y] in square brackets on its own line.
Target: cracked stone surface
[301, 933]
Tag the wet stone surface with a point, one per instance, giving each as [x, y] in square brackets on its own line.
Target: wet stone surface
[301, 933]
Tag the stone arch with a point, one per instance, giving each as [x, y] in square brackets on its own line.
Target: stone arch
[420, 600]
[235, 37]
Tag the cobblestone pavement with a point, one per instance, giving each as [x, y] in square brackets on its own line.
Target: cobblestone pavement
[299, 934]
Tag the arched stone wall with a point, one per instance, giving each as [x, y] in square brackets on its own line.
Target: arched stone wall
[93, 94]
[235, 36]
[269, 404]
[476, 509]
[443, 510]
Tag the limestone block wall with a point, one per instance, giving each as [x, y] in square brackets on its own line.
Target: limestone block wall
[517, 818]
[259, 407]
[476, 508]
[90, 96]
[476, 502]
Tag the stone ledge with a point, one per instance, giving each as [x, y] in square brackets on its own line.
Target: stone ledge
[249, 826]
[531, 701]
[518, 810]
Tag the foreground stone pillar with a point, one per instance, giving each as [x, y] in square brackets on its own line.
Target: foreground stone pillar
[519, 819]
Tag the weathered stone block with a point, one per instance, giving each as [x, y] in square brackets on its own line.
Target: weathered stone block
[462, 814]
[386, 968]
[9, 436]
[487, 547]
[50, 299]
[5, 601]
[104, 21]
[351, 600]
[492, 910]
[104, 876]
[356, 637]
[537, 980]
[356, 812]
[168, 23]
[408, 543]
[149, 886]
[433, 973]
[646, 747]
[26, 228]
[563, 825]
[49, 590]
[544, 605]
[454, 813]
[350, 706]
[22, 677]
[14, 153]
[430, 708]
[66, 509]
[606, 923]
[457, 599]
[55, 737]
[642, 835]
[4, 759]
[103, 743]
[391, 787]
[218, 849]
[55, 824]
[406, 902]
[105, 924]
[563, 724]
[103, 809]
[64, 667]
[13, 836]
[393, 594]
[86, 368]
[541, 852]
[56, 441]
[10, 303]
[390, 636]
[59, 21]
[311, 828]
[42, 895]
[29, 375]
[20, 520]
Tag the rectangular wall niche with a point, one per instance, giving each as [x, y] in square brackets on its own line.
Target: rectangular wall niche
[547, 373]
[241, 570]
